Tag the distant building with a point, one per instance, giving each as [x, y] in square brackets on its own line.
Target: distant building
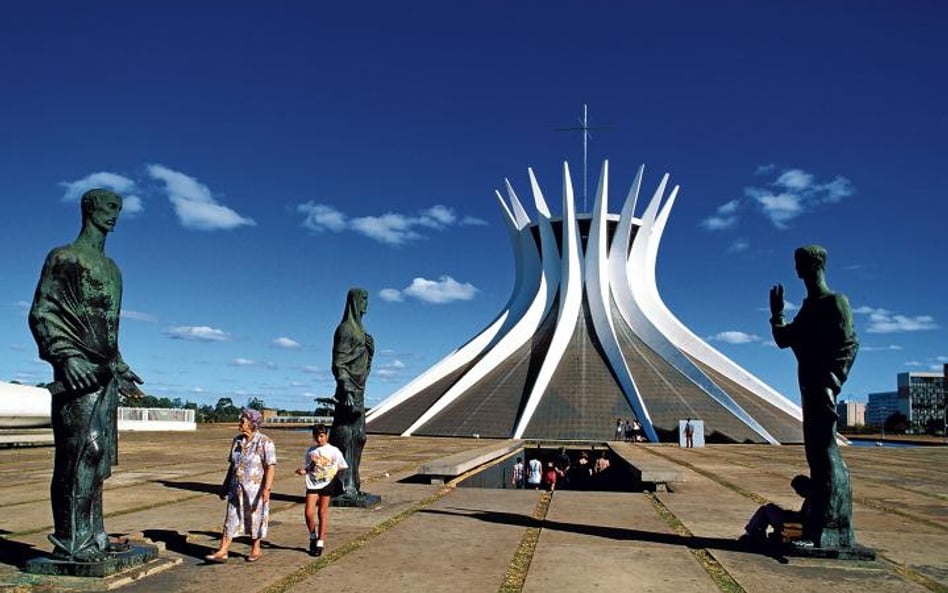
[851, 413]
[881, 405]
[922, 399]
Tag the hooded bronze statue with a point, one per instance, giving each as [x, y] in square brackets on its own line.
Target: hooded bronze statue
[352, 350]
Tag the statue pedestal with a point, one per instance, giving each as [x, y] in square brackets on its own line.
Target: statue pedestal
[363, 500]
[853, 552]
[135, 556]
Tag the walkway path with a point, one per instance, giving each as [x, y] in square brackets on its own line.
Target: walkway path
[433, 538]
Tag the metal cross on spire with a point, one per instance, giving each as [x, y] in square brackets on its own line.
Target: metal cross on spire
[584, 128]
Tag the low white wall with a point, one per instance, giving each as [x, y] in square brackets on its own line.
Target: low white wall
[155, 419]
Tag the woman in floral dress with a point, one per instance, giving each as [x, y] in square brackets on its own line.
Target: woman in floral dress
[252, 459]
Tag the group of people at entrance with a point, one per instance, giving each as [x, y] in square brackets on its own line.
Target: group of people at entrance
[560, 472]
[629, 430]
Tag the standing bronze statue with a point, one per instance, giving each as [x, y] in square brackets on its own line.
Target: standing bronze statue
[75, 321]
[352, 350]
[824, 342]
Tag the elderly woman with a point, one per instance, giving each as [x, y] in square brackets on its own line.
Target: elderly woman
[252, 460]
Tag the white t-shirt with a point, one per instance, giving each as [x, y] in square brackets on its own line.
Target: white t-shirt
[533, 475]
[322, 464]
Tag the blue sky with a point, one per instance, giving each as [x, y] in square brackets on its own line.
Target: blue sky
[272, 157]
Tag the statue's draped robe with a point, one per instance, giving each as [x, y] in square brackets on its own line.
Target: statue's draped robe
[75, 314]
[352, 352]
[823, 339]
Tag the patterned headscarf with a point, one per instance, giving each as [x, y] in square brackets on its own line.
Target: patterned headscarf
[254, 417]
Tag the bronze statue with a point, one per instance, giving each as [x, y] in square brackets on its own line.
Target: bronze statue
[352, 350]
[75, 321]
[824, 342]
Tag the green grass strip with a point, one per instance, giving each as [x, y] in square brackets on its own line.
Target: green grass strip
[894, 511]
[719, 575]
[761, 500]
[127, 511]
[711, 476]
[301, 574]
[516, 574]
[913, 575]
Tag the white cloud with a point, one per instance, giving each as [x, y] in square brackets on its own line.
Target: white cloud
[724, 218]
[738, 245]
[718, 223]
[194, 203]
[199, 333]
[391, 228]
[883, 321]
[779, 208]
[765, 169]
[735, 337]
[837, 189]
[320, 217]
[137, 315]
[391, 295]
[795, 192]
[437, 216]
[131, 203]
[242, 362]
[794, 179]
[888, 348]
[391, 369]
[444, 290]
[284, 342]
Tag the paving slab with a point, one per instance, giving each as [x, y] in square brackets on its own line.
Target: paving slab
[463, 542]
[611, 541]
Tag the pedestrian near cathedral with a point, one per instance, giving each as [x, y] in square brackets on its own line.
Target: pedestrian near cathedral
[517, 476]
[534, 473]
[322, 467]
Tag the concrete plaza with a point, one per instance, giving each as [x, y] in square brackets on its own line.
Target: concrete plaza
[442, 538]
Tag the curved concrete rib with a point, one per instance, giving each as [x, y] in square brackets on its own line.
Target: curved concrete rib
[598, 297]
[687, 341]
[545, 285]
[527, 264]
[641, 268]
[571, 301]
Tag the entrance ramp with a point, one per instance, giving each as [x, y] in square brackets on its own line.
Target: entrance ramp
[446, 468]
[648, 468]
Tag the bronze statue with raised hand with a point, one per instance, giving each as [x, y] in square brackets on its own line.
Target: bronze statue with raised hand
[824, 342]
[75, 321]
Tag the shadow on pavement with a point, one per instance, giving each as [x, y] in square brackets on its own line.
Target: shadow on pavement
[14, 553]
[215, 488]
[616, 533]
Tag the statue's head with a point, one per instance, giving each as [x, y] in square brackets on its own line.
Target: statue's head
[359, 298]
[809, 260]
[101, 208]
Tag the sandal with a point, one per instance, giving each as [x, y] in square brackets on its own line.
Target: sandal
[252, 558]
[216, 558]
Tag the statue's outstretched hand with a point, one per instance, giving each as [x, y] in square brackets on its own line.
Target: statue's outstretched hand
[776, 300]
[79, 374]
[128, 384]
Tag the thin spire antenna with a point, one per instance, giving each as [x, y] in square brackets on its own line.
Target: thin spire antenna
[584, 128]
